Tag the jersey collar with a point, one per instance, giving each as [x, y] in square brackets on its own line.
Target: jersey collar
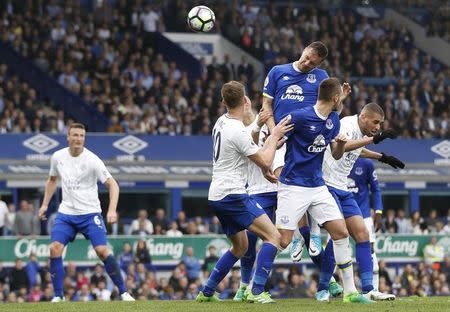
[319, 114]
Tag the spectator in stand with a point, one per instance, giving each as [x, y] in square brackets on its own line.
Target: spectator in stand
[26, 221]
[142, 254]
[3, 213]
[160, 218]
[210, 261]
[126, 257]
[19, 277]
[416, 222]
[83, 295]
[101, 292]
[390, 225]
[98, 276]
[431, 220]
[384, 273]
[173, 231]
[214, 226]
[32, 268]
[192, 264]
[182, 222]
[433, 253]
[142, 223]
[10, 219]
[403, 224]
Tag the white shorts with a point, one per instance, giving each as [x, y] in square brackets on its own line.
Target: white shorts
[370, 228]
[278, 160]
[294, 201]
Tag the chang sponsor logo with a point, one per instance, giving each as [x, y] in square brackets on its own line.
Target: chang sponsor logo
[293, 92]
[385, 244]
[25, 246]
[318, 146]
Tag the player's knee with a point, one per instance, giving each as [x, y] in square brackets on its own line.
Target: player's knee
[102, 252]
[56, 249]
[362, 235]
[339, 233]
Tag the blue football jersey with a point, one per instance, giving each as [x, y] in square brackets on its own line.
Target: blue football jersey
[363, 183]
[292, 89]
[306, 146]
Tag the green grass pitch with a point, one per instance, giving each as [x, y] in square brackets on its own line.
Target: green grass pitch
[412, 304]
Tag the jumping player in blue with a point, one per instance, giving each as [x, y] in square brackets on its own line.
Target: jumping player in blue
[233, 147]
[363, 183]
[302, 187]
[79, 212]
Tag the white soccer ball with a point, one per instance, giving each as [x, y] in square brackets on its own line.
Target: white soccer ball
[201, 18]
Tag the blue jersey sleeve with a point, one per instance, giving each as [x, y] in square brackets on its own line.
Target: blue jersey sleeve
[270, 84]
[375, 191]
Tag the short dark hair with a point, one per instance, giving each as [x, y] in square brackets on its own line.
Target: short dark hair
[233, 93]
[320, 48]
[76, 125]
[329, 88]
[373, 108]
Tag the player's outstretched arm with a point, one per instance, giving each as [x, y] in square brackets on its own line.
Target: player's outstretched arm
[338, 146]
[265, 155]
[113, 187]
[50, 187]
[355, 144]
[267, 107]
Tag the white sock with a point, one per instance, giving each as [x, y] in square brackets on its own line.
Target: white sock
[376, 275]
[343, 256]
[315, 229]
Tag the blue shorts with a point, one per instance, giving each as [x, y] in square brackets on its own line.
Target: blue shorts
[346, 202]
[268, 201]
[90, 225]
[236, 212]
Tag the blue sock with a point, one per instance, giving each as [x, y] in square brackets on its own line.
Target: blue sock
[365, 263]
[57, 273]
[223, 266]
[327, 267]
[306, 233]
[264, 263]
[112, 267]
[248, 259]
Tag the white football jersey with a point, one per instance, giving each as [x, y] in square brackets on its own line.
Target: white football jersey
[335, 172]
[257, 183]
[231, 146]
[79, 176]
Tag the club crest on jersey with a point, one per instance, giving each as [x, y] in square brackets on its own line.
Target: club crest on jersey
[318, 145]
[293, 92]
[358, 171]
[329, 124]
[311, 78]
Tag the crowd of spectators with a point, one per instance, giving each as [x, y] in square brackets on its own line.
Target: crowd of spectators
[31, 282]
[107, 57]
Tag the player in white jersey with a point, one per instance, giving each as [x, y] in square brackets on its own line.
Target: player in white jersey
[79, 212]
[232, 149]
[260, 189]
[360, 130]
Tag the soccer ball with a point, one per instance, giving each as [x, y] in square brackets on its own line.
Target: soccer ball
[201, 18]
